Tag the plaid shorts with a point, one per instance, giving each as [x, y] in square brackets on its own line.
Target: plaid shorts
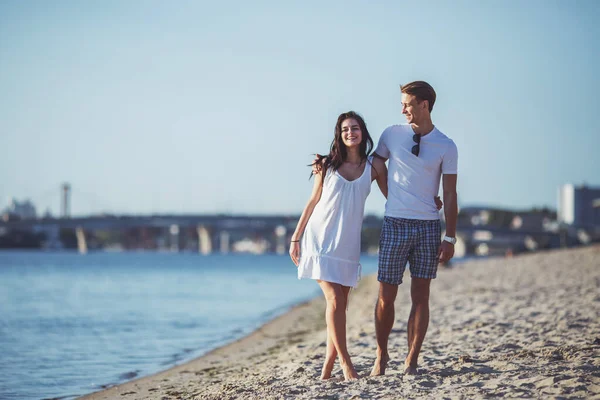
[414, 240]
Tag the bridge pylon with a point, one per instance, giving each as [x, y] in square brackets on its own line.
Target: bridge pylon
[204, 241]
[224, 239]
[174, 238]
[81, 242]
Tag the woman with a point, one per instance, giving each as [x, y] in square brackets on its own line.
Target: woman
[330, 227]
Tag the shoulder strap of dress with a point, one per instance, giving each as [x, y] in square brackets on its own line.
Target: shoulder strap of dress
[369, 166]
[370, 161]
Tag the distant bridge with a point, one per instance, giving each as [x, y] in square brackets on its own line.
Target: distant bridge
[208, 231]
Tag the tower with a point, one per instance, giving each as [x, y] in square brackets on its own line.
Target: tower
[66, 200]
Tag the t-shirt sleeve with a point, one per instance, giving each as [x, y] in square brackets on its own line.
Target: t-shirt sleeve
[382, 148]
[450, 160]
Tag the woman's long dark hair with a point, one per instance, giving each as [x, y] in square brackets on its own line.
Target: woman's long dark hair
[338, 154]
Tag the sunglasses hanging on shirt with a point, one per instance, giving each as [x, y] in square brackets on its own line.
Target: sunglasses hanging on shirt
[417, 147]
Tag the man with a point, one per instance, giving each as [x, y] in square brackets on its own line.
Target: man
[419, 155]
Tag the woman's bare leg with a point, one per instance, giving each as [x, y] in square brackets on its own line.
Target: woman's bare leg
[336, 297]
[331, 354]
[330, 357]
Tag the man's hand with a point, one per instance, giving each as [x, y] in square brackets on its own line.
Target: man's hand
[446, 251]
[438, 202]
[295, 252]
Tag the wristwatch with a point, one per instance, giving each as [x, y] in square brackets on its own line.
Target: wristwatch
[449, 239]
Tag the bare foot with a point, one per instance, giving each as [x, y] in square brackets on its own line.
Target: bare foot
[410, 370]
[327, 368]
[349, 372]
[380, 365]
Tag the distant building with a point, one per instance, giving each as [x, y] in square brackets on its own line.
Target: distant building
[579, 206]
[533, 221]
[21, 209]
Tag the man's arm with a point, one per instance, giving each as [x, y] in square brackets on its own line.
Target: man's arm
[380, 174]
[377, 156]
[451, 213]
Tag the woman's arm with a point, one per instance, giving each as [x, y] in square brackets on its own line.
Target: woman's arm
[379, 172]
[315, 196]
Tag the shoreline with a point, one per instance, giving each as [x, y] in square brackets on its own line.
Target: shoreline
[525, 326]
[268, 337]
[271, 318]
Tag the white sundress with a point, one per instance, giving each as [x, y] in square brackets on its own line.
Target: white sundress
[330, 246]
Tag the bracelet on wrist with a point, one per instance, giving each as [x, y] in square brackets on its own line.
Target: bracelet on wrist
[294, 241]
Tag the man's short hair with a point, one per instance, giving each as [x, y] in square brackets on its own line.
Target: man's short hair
[421, 90]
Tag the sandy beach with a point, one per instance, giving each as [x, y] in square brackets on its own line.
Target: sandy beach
[525, 327]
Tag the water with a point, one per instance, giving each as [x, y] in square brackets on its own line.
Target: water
[72, 324]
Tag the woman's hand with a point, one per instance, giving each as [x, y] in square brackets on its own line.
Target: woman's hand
[295, 252]
[438, 202]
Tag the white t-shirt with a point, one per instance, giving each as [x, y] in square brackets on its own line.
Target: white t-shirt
[414, 181]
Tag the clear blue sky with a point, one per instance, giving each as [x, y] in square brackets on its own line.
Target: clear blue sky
[192, 107]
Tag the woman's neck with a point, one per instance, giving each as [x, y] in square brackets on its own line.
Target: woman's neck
[353, 155]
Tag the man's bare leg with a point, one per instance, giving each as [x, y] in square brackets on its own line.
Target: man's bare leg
[410, 327]
[384, 321]
[417, 322]
[335, 316]
[331, 353]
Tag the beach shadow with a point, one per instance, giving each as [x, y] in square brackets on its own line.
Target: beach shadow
[453, 371]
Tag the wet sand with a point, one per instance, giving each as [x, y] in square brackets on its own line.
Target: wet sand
[526, 327]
